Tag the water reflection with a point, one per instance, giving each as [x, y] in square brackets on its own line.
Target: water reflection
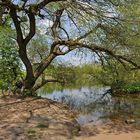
[96, 108]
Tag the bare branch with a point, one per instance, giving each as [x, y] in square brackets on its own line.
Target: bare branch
[64, 31]
[14, 16]
[43, 65]
[32, 27]
[73, 44]
[56, 23]
[119, 58]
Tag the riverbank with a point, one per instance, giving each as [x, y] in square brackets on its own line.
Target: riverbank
[43, 119]
[110, 130]
[35, 118]
[123, 136]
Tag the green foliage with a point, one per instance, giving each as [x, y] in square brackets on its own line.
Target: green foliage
[66, 74]
[50, 87]
[126, 88]
[86, 75]
[38, 50]
[117, 34]
[121, 78]
[9, 61]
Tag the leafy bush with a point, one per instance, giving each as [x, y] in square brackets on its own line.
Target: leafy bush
[126, 88]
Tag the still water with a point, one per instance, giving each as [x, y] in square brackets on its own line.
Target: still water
[93, 106]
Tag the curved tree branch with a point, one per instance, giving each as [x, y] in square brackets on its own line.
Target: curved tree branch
[56, 24]
[43, 65]
[32, 27]
[73, 44]
[14, 16]
[44, 82]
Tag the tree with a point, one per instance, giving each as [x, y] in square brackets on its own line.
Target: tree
[10, 69]
[94, 25]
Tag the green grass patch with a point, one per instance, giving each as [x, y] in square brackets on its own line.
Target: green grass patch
[42, 125]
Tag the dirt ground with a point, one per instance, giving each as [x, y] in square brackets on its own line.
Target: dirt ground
[123, 136]
[109, 131]
[43, 119]
[35, 119]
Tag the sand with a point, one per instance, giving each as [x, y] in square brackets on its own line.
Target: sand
[123, 136]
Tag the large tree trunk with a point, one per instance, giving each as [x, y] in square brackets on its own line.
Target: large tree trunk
[22, 41]
[27, 88]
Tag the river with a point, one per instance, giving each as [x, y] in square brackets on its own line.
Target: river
[93, 107]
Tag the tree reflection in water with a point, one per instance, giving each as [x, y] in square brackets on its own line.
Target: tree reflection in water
[93, 106]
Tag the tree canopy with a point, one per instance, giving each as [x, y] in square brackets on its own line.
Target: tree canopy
[108, 28]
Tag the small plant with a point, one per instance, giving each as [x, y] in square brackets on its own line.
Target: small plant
[43, 125]
[31, 134]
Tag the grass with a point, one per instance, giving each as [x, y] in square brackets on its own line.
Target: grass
[42, 125]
